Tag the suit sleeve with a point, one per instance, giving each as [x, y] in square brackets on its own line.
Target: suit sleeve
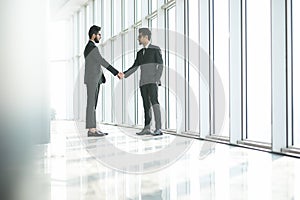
[159, 62]
[133, 68]
[104, 63]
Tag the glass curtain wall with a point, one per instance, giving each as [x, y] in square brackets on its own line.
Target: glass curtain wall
[123, 18]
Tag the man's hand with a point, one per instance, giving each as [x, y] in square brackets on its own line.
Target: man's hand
[120, 75]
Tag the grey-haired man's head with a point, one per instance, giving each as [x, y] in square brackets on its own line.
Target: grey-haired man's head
[144, 36]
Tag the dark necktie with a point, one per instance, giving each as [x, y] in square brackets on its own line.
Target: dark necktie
[144, 50]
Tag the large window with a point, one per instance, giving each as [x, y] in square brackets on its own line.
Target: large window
[153, 28]
[128, 13]
[221, 66]
[97, 12]
[153, 23]
[152, 5]
[171, 69]
[76, 65]
[90, 14]
[117, 84]
[107, 88]
[58, 69]
[83, 37]
[138, 10]
[116, 10]
[258, 70]
[106, 27]
[193, 70]
[296, 72]
[130, 89]
[139, 100]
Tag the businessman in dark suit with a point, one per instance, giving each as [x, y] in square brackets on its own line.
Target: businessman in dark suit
[149, 59]
[94, 77]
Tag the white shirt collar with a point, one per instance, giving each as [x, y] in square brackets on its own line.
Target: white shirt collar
[147, 45]
[93, 41]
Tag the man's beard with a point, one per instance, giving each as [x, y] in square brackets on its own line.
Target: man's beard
[96, 40]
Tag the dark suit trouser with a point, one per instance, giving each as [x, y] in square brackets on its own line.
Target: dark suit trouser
[92, 100]
[149, 95]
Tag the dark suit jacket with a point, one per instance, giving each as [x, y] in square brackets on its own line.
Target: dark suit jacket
[93, 60]
[151, 64]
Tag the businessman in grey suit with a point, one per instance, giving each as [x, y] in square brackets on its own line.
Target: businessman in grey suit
[150, 61]
[94, 77]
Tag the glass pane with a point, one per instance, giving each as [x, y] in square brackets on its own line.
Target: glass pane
[138, 10]
[193, 20]
[131, 14]
[106, 53]
[58, 88]
[258, 70]
[83, 37]
[89, 15]
[126, 13]
[296, 72]
[76, 88]
[153, 28]
[117, 17]
[130, 89]
[154, 23]
[97, 12]
[221, 67]
[193, 65]
[58, 50]
[117, 84]
[140, 108]
[106, 28]
[153, 5]
[76, 35]
[171, 70]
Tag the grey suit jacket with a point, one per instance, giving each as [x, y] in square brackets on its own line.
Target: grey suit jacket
[93, 73]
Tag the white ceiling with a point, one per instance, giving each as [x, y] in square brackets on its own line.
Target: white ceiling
[63, 9]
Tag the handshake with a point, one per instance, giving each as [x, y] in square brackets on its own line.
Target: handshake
[121, 75]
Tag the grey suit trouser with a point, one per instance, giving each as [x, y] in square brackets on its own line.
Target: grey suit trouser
[92, 100]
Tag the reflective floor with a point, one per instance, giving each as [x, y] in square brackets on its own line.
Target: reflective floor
[123, 165]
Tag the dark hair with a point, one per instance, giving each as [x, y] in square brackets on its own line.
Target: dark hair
[145, 31]
[94, 30]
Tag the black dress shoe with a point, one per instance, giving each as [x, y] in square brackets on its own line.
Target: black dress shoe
[95, 134]
[144, 132]
[157, 132]
[100, 132]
